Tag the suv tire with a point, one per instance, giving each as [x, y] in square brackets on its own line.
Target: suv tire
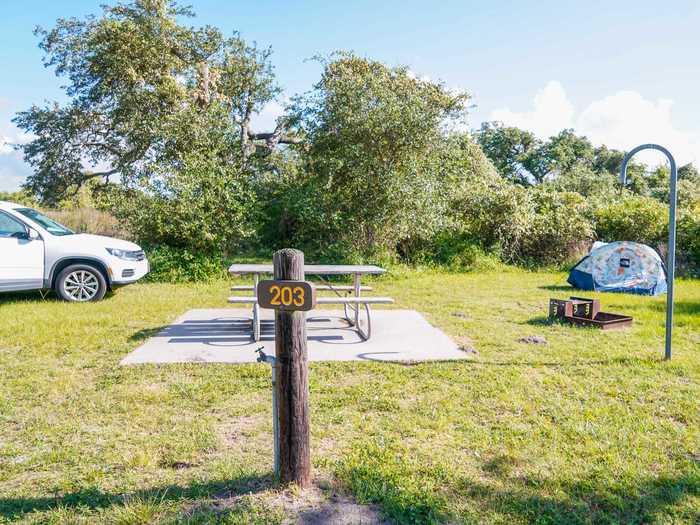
[81, 283]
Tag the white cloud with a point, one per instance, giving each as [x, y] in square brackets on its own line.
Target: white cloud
[13, 170]
[622, 120]
[7, 143]
[551, 112]
[626, 119]
[5, 146]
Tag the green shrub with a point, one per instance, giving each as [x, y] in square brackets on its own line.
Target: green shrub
[19, 197]
[496, 215]
[203, 207]
[632, 218]
[560, 229]
[524, 225]
[452, 249]
[177, 265]
[371, 134]
[583, 180]
[688, 240]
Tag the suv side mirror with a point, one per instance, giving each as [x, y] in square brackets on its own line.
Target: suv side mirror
[27, 235]
[22, 236]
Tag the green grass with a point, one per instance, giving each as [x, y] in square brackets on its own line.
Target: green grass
[592, 427]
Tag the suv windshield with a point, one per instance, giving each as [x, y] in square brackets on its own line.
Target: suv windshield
[49, 225]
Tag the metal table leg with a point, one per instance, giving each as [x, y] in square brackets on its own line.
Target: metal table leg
[256, 309]
[356, 285]
[365, 335]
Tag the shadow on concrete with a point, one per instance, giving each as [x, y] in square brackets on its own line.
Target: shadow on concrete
[219, 331]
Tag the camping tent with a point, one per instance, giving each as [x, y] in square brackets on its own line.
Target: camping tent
[621, 266]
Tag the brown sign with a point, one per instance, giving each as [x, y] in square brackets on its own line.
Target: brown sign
[286, 295]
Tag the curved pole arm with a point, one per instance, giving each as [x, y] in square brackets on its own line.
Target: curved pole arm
[633, 152]
[671, 259]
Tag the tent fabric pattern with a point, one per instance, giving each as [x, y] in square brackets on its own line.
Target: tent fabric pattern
[621, 266]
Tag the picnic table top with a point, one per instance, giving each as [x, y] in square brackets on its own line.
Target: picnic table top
[312, 269]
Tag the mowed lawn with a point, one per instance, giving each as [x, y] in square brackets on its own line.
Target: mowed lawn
[592, 427]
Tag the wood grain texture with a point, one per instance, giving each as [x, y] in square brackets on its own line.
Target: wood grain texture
[292, 378]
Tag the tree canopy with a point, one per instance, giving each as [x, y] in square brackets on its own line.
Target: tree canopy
[525, 159]
[145, 92]
[370, 131]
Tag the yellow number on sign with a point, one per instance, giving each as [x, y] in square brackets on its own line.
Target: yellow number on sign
[286, 296]
[298, 296]
[275, 290]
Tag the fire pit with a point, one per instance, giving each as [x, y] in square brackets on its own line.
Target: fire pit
[586, 312]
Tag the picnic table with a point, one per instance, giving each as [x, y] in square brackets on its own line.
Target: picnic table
[349, 296]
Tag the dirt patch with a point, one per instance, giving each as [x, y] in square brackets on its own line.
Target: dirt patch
[533, 340]
[241, 427]
[466, 345]
[322, 505]
[340, 511]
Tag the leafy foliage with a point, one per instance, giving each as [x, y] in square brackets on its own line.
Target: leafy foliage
[371, 132]
[370, 164]
[509, 149]
[204, 206]
[524, 225]
[20, 197]
[689, 239]
[560, 229]
[496, 215]
[633, 218]
[521, 157]
[165, 107]
[177, 265]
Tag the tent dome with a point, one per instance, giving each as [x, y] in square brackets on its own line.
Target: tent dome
[621, 266]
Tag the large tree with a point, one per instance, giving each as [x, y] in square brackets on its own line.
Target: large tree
[370, 133]
[509, 148]
[145, 94]
[521, 157]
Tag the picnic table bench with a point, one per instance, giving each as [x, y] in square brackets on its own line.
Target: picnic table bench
[349, 296]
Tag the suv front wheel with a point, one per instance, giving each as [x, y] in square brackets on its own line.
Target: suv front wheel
[80, 283]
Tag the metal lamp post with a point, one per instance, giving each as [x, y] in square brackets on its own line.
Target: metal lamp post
[671, 261]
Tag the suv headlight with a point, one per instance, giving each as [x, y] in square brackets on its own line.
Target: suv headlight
[126, 255]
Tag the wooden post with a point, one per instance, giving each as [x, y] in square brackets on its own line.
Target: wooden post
[292, 378]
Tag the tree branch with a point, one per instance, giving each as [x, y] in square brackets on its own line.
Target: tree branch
[105, 174]
[279, 138]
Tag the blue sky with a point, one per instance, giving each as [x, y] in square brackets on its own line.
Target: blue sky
[621, 72]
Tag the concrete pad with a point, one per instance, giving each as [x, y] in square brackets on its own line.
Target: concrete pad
[224, 336]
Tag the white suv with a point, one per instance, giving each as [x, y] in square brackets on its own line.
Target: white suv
[37, 253]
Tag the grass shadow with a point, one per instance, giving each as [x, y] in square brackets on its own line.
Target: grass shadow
[35, 296]
[562, 364]
[26, 297]
[586, 501]
[146, 333]
[541, 320]
[558, 288]
[679, 307]
[92, 498]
